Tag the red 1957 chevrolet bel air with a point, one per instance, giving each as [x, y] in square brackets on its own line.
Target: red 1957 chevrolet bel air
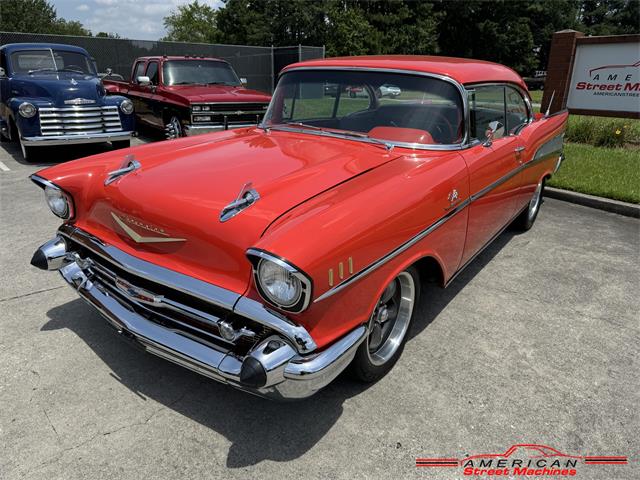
[272, 258]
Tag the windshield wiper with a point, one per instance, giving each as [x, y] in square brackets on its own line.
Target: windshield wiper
[46, 69]
[344, 133]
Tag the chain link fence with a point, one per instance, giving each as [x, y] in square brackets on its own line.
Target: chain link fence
[259, 65]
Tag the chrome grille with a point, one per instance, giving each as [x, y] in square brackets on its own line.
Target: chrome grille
[79, 120]
[177, 311]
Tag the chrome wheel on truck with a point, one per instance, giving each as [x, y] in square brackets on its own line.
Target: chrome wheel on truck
[388, 327]
[173, 128]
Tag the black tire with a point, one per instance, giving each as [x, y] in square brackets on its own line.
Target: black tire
[121, 144]
[527, 217]
[375, 357]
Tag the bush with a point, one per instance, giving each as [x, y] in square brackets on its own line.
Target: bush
[602, 132]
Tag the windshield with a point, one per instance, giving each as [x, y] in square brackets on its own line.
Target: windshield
[394, 107]
[51, 61]
[203, 72]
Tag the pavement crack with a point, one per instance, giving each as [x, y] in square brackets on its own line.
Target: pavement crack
[31, 293]
[53, 427]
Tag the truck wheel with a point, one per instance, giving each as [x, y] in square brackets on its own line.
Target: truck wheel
[121, 144]
[173, 129]
[526, 219]
[388, 327]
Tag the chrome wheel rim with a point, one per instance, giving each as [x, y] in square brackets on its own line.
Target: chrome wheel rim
[534, 204]
[174, 129]
[390, 319]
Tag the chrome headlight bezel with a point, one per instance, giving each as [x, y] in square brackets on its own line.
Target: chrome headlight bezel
[59, 202]
[260, 260]
[126, 106]
[27, 110]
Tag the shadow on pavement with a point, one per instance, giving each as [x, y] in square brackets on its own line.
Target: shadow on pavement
[258, 429]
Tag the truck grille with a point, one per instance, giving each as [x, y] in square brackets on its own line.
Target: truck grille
[79, 120]
[180, 312]
[229, 113]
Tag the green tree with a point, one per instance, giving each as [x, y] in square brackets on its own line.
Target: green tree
[194, 22]
[107, 35]
[36, 16]
[610, 17]
[351, 32]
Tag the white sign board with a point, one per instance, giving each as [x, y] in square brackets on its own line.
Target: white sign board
[606, 76]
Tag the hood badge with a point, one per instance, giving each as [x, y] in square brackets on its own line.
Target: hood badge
[73, 81]
[122, 222]
[247, 197]
[79, 101]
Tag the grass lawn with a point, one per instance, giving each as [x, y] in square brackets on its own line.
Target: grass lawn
[604, 172]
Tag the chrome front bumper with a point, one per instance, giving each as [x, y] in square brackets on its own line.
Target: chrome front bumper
[76, 139]
[289, 369]
[191, 130]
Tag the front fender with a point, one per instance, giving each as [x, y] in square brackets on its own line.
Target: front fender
[379, 215]
[27, 127]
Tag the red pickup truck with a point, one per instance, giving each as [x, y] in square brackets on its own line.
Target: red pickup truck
[189, 95]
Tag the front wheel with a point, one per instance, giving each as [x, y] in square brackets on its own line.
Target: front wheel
[173, 129]
[388, 327]
[527, 218]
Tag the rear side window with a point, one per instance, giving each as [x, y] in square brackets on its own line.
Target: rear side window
[137, 71]
[487, 105]
[517, 114]
[152, 72]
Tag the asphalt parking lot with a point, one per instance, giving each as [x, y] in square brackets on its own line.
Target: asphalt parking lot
[536, 342]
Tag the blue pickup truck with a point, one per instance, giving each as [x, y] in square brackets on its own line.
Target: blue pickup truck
[50, 94]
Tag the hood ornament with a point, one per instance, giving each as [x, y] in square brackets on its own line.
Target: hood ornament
[247, 197]
[73, 81]
[129, 165]
[139, 238]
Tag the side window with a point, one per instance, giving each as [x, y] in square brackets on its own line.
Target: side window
[354, 98]
[152, 72]
[137, 71]
[517, 114]
[487, 106]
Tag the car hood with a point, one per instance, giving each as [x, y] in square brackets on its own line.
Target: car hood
[181, 188]
[218, 93]
[57, 87]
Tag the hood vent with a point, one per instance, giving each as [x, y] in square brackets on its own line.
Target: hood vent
[247, 197]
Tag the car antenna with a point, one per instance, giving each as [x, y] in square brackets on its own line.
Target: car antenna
[550, 102]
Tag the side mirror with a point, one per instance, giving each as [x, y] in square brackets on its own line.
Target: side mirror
[494, 131]
[243, 81]
[2, 72]
[143, 81]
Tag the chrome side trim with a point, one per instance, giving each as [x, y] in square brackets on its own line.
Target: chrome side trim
[394, 253]
[208, 292]
[42, 182]
[547, 149]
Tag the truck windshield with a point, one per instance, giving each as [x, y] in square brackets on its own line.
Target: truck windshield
[202, 72]
[48, 60]
[397, 108]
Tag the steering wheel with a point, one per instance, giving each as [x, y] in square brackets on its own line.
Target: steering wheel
[441, 123]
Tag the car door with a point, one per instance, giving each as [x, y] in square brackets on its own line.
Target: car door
[493, 168]
[135, 90]
[149, 113]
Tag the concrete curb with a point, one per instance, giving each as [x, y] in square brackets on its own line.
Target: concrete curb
[615, 206]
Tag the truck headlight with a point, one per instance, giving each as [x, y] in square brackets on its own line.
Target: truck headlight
[126, 106]
[279, 282]
[27, 110]
[59, 202]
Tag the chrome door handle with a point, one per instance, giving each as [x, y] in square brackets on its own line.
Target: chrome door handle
[519, 149]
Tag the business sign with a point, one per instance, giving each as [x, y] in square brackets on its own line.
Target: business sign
[606, 77]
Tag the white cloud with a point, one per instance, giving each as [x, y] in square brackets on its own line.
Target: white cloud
[134, 19]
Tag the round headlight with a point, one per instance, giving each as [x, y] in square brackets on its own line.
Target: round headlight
[58, 202]
[27, 110]
[126, 106]
[280, 285]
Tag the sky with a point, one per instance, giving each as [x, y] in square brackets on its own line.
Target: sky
[135, 19]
